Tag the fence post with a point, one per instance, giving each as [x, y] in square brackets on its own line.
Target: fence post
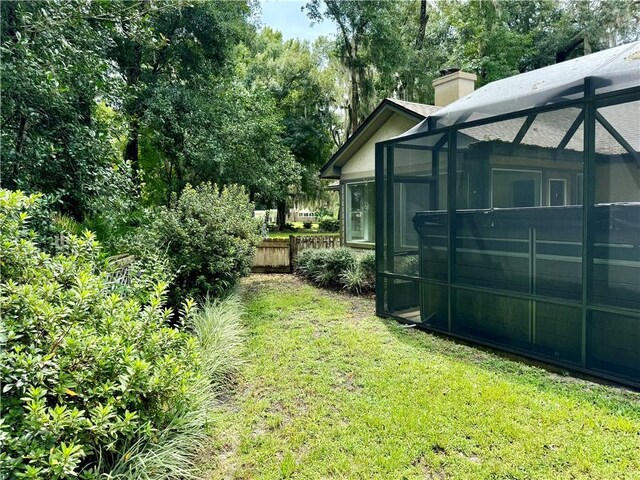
[291, 252]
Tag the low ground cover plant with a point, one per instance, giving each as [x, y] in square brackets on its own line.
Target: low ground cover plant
[95, 379]
[338, 268]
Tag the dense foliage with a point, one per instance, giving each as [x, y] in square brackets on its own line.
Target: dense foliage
[338, 268]
[209, 236]
[108, 106]
[95, 381]
[396, 49]
[86, 372]
[329, 224]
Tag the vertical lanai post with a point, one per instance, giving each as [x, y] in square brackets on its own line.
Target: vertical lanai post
[451, 216]
[588, 201]
[379, 226]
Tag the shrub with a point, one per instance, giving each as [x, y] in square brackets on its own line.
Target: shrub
[329, 224]
[338, 260]
[150, 265]
[325, 266]
[86, 372]
[176, 453]
[338, 267]
[408, 265]
[307, 225]
[94, 381]
[368, 266]
[354, 280]
[307, 261]
[210, 237]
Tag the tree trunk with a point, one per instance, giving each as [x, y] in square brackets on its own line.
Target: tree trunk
[132, 153]
[424, 18]
[281, 217]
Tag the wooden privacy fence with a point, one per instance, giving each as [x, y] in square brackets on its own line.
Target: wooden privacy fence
[277, 255]
[119, 266]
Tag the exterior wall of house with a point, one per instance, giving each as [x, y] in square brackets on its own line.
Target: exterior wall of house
[361, 167]
[362, 163]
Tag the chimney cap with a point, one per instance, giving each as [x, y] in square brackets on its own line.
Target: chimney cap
[448, 71]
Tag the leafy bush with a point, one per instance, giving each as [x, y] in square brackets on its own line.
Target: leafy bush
[325, 266]
[338, 267]
[329, 224]
[408, 265]
[210, 237]
[307, 260]
[368, 266]
[307, 225]
[354, 280]
[94, 381]
[176, 453]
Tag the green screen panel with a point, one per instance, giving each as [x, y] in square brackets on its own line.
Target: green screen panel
[613, 344]
[434, 306]
[557, 332]
[494, 318]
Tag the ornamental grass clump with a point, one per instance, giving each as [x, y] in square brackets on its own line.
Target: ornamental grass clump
[95, 380]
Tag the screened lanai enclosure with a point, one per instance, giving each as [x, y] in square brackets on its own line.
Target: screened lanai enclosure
[512, 217]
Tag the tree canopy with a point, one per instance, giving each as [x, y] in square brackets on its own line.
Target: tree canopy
[115, 105]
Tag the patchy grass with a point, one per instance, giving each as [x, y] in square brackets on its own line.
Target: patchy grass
[330, 391]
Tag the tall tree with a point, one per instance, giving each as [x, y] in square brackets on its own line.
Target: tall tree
[55, 82]
[173, 43]
[367, 43]
[290, 72]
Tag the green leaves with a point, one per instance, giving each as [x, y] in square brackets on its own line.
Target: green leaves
[86, 372]
[210, 236]
[54, 70]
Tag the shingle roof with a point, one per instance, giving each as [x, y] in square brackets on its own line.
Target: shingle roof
[613, 69]
[548, 129]
[421, 109]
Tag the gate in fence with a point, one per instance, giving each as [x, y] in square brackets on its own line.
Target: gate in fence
[277, 255]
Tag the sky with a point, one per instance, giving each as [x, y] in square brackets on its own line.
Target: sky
[286, 16]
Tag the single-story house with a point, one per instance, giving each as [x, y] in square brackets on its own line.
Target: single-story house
[353, 165]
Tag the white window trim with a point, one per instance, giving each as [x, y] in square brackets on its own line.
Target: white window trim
[564, 181]
[347, 205]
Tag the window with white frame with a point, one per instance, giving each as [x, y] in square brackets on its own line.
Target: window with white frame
[360, 212]
[557, 192]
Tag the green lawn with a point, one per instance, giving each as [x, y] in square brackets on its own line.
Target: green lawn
[330, 391]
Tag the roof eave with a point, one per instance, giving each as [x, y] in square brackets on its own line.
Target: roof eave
[329, 170]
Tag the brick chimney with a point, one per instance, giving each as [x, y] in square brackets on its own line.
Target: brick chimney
[452, 85]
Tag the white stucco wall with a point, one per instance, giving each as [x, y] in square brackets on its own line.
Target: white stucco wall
[362, 164]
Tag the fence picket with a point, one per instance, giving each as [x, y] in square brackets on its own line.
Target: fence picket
[278, 255]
